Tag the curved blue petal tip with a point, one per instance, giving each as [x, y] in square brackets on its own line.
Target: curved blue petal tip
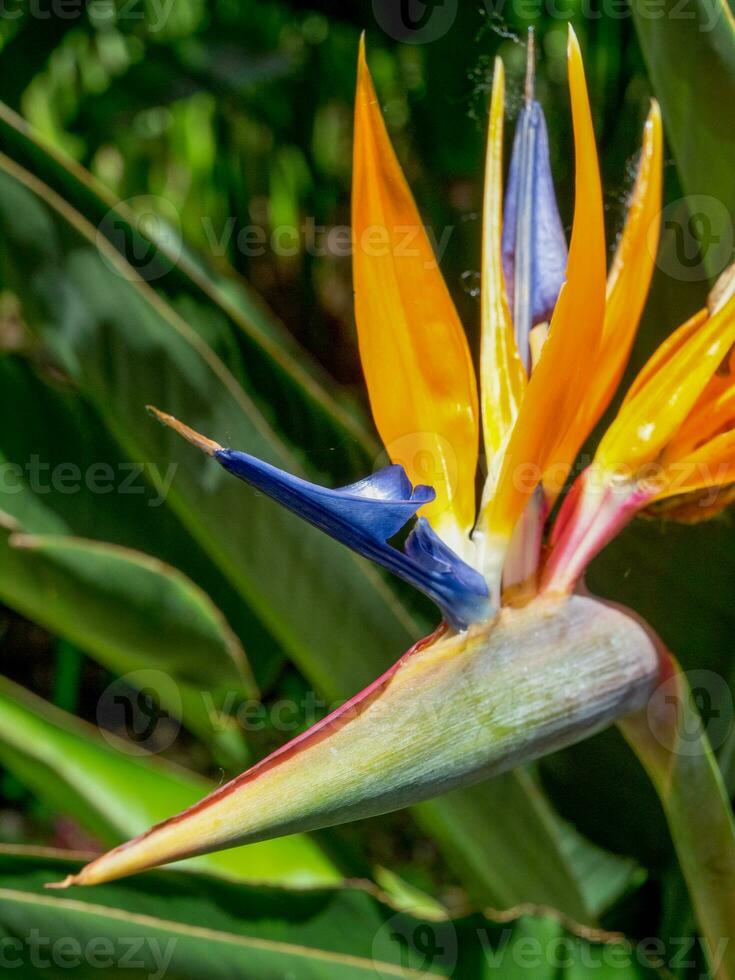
[364, 516]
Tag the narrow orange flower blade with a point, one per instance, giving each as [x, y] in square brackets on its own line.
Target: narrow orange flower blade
[649, 420]
[630, 275]
[502, 377]
[550, 428]
[414, 352]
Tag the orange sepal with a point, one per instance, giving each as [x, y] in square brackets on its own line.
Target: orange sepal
[414, 352]
[548, 432]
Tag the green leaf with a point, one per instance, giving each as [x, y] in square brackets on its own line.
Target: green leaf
[133, 613]
[670, 739]
[335, 616]
[223, 930]
[223, 309]
[690, 56]
[114, 791]
[555, 853]
[108, 497]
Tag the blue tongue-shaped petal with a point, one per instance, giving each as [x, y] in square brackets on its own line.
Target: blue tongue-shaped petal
[534, 245]
[376, 507]
[364, 516]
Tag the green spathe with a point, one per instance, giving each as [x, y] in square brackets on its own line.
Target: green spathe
[452, 712]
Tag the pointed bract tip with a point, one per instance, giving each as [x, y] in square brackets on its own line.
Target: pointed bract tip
[572, 42]
[208, 446]
[65, 883]
[497, 94]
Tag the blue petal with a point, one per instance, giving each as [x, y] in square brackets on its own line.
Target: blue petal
[376, 507]
[459, 585]
[364, 515]
[534, 245]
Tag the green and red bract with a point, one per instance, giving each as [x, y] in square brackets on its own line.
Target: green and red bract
[456, 708]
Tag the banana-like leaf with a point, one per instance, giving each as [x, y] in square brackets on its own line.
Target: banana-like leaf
[188, 926]
[120, 506]
[129, 612]
[132, 613]
[455, 709]
[112, 790]
[124, 346]
[223, 309]
[690, 54]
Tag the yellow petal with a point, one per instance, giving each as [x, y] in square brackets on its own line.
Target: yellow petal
[649, 419]
[414, 353]
[502, 377]
[550, 428]
[665, 351]
[630, 274]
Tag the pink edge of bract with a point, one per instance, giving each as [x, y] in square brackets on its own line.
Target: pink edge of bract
[321, 729]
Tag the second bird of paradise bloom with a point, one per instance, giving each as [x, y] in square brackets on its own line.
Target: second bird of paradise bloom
[522, 662]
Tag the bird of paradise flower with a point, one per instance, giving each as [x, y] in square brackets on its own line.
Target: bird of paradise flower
[522, 662]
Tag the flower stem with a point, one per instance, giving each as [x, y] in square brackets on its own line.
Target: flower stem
[670, 739]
